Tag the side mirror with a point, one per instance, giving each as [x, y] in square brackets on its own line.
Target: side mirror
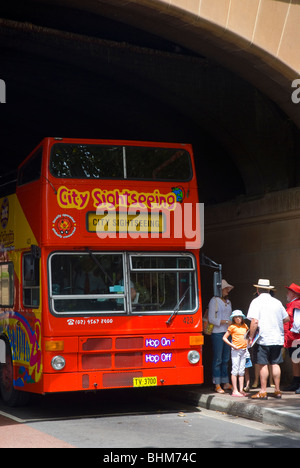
[35, 251]
[218, 284]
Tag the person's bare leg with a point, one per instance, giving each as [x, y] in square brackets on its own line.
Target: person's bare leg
[235, 391]
[256, 379]
[276, 371]
[263, 374]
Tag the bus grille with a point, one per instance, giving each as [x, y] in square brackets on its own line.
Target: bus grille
[96, 361]
[93, 359]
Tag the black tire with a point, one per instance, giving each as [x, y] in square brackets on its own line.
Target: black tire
[10, 396]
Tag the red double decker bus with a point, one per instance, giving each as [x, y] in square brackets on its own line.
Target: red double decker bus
[99, 269]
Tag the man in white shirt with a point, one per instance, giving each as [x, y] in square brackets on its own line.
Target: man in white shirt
[268, 315]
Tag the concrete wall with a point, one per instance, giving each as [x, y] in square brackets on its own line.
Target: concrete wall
[254, 239]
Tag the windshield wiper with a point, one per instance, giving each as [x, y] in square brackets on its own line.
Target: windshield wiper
[96, 261]
[175, 312]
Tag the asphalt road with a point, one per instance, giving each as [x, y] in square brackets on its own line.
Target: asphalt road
[131, 419]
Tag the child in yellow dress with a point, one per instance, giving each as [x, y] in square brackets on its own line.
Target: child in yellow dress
[237, 331]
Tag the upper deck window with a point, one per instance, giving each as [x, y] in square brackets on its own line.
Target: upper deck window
[80, 161]
[31, 170]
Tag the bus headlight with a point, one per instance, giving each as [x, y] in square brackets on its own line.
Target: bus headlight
[58, 362]
[193, 357]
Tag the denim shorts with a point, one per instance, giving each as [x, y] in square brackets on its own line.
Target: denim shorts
[267, 354]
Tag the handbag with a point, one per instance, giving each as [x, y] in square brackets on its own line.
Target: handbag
[207, 326]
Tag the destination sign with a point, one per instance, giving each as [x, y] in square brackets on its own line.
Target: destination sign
[125, 222]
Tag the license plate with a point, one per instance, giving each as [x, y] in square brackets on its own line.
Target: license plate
[145, 382]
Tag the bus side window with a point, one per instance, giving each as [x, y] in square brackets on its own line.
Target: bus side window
[31, 281]
[6, 284]
[31, 170]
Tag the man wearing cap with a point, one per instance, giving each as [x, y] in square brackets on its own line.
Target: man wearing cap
[292, 334]
[269, 315]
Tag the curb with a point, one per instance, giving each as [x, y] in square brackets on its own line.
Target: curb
[271, 416]
[281, 418]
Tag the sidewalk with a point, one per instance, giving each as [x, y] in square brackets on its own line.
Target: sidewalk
[284, 412]
[14, 434]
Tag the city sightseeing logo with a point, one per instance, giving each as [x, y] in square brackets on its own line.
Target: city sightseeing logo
[129, 213]
[64, 226]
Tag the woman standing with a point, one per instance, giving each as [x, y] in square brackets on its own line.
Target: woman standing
[219, 311]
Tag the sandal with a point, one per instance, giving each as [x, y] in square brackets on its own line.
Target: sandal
[219, 389]
[227, 386]
[260, 396]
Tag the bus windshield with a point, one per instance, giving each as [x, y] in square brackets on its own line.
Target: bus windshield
[90, 161]
[97, 283]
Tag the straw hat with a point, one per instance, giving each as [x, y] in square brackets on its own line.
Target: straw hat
[263, 284]
[226, 285]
